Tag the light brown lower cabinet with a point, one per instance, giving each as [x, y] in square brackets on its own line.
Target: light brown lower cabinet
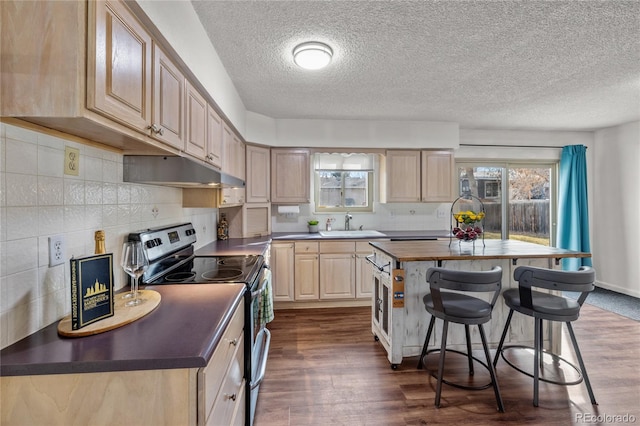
[282, 271]
[306, 271]
[328, 270]
[185, 396]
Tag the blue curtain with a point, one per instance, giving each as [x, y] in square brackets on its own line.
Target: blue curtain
[573, 211]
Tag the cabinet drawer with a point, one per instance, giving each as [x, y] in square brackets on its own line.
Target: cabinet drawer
[306, 247]
[231, 392]
[363, 247]
[211, 377]
[338, 247]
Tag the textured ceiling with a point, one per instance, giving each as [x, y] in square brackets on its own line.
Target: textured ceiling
[550, 65]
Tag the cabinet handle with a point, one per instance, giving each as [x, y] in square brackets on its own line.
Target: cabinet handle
[231, 397]
[234, 342]
[155, 129]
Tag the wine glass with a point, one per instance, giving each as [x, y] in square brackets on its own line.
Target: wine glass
[134, 262]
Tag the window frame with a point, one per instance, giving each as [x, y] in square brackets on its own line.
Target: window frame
[343, 208]
[506, 165]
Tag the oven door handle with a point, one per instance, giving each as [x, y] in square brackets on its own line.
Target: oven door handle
[264, 281]
[262, 368]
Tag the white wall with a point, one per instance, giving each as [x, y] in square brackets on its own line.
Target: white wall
[351, 133]
[616, 187]
[37, 201]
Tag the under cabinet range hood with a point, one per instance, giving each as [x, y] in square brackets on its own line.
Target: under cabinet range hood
[173, 170]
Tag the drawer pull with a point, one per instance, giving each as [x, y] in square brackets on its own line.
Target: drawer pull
[231, 397]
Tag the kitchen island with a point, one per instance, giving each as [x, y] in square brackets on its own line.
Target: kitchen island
[399, 320]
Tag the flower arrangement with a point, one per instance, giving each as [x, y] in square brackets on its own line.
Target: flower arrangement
[467, 225]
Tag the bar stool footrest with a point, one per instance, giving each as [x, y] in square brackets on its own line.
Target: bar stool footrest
[557, 360]
[434, 373]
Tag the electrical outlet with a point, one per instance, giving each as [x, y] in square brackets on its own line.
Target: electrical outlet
[441, 214]
[56, 250]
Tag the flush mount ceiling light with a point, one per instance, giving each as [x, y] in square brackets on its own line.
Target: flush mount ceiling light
[312, 55]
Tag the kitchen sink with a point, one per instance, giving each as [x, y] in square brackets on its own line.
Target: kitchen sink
[352, 234]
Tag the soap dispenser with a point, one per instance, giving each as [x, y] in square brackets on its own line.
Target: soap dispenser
[328, 226]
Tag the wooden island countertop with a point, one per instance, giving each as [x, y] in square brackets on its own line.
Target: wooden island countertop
[416, 251]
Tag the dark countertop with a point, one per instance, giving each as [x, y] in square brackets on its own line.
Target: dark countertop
[400, 235]
[415, 251]
[235, 246]
[182, 332]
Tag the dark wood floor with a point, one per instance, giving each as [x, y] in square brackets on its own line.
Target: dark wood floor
[326, 369]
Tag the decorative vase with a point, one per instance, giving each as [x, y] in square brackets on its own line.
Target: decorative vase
[313, 229]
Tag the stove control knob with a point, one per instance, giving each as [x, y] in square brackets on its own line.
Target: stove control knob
[157, 241]
[150, 244]
[190, 232]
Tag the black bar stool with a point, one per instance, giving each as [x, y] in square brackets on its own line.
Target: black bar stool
[454, 306]
[544, 306]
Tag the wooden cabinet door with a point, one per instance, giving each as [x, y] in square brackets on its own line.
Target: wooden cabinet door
[256, 220]
[228, 151]
[239, 157]
[307, 277]
[364, 277]
[337, 276]
[258, 174]
[196, 122]
[289, 175]
[403, 176]
[168, 100]
[438, 179]
[214, 137]
[119, 74]
[282, 270]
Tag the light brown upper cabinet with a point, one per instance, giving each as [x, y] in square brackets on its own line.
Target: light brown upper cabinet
[258, 174]
[119, 72]
[419, 176]
[214, 138]
[196, 123]
[81, 67]
[403, 176]
[289, 175]
[438, 180]
[168, 100]
[233, 153]
[102, 71]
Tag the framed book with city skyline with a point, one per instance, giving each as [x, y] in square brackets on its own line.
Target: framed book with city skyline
[91, 289]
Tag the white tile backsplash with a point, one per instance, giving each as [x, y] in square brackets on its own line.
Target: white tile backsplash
[22, 222]
[74, 192]
[22, 255]
[21, 157]
[50, 220]
[93, 168]
[37, 200]
[50, 191]
[50, 161]
[93, 192]
[22, 190]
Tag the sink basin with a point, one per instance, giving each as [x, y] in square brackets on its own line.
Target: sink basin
[352, 234]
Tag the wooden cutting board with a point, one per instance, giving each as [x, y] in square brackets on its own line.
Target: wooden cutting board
[122, 315]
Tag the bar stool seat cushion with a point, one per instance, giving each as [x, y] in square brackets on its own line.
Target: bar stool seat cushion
[459, 306]
[547, 306]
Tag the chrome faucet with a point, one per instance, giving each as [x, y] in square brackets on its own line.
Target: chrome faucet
[347, 218]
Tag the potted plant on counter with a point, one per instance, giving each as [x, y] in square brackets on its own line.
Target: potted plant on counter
[313, 225]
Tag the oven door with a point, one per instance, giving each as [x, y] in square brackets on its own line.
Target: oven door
[261, 313]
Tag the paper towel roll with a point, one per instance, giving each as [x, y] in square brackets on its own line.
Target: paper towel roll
[289, 209]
